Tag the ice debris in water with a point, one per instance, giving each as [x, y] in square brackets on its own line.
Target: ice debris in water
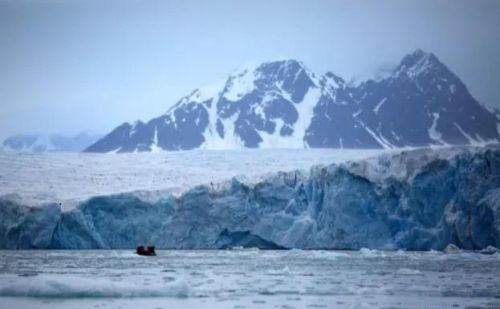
[451, 248]
[370, 252]
[408, 272]
[489, 250]
[57, 286]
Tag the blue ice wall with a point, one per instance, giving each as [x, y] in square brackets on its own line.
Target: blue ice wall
[414, 200]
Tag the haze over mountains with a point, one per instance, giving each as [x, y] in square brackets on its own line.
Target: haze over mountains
[49, 143]
[283, 104]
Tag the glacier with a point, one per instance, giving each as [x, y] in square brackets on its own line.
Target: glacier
[422, 199]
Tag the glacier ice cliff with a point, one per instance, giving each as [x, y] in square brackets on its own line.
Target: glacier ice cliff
[416, 200]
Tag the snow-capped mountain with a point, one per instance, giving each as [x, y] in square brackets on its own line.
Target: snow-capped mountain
[283, 104]
[423, 103]
[43, 143]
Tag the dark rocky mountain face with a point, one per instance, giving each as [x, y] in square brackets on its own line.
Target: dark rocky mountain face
[334, 124]
[423, 103]
[283, 104]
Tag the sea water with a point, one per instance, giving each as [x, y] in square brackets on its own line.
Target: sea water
[248, 278]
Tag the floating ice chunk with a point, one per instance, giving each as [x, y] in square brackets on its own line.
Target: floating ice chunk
[370, 252]
[451, 248]
[283, 271]
[295, 251]
[489, 250]
[408, 272]
[362, 305]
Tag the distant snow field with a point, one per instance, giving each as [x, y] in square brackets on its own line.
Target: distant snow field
[38, 178]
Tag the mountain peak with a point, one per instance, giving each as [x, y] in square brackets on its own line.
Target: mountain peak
[252, 66]
[202, 94]
[274, 69]
[281, 74]
[416, 57]
[247, 78]
[417, 63]
[334, 80]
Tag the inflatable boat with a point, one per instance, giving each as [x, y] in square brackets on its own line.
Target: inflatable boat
[142, 250]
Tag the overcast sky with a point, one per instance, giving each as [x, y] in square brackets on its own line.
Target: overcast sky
[70, 66]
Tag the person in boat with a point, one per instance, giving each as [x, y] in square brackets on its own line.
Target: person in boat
[149, 250]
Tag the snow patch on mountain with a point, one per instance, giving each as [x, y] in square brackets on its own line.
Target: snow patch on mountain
[154, 145]
[379, 105]
[377, 137]
[467, 136]
[228, 140]
[305, 110]
[206, 92]
[241, 82]
[433, 133]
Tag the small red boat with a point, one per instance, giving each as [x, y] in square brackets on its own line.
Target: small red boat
[142, 250]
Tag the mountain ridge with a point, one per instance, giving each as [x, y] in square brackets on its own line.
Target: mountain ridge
[283, 104]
